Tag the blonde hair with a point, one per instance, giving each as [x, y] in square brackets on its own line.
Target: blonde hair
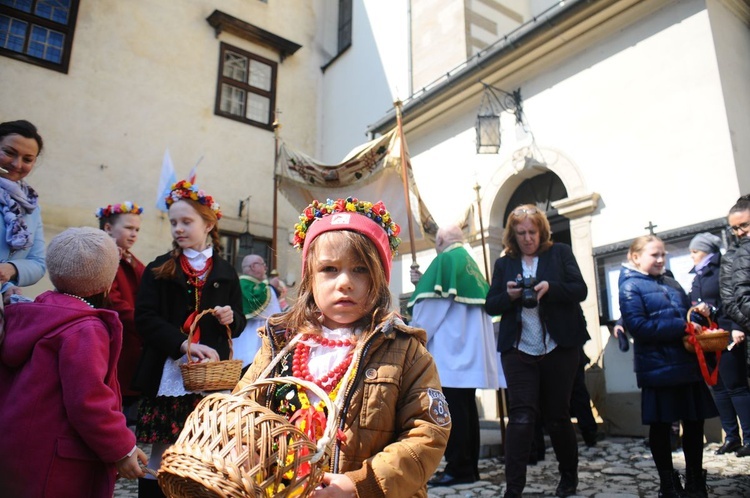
[639, 244]
[168, 269]
[303, 317]
[538, 218]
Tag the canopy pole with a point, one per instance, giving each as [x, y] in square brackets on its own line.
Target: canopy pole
[274, 240]
[405, 180]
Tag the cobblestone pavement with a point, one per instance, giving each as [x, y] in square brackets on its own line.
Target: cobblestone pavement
[616, 468]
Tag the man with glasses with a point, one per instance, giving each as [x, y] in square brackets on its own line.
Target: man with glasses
[734, 286]
[259, 301]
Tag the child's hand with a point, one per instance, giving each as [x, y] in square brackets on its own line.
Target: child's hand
[335, 485]
[129, 468]
[703, 309]
[224, 314]
[200, 351]
[617, 331]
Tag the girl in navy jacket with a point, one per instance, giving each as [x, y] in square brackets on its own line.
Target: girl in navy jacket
[654, 308]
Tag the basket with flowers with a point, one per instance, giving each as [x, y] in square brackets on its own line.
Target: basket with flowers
[233, 446]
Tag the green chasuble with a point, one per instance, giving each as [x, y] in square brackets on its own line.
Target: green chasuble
[255, 295]
[454, 273]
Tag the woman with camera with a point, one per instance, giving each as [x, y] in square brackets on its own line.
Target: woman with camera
[537, 287]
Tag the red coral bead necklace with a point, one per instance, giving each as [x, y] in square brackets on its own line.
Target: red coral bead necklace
[301, 361]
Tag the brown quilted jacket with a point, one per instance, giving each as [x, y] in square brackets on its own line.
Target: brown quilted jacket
[395, 417]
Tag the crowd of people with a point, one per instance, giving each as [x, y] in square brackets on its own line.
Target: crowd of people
[92, 368]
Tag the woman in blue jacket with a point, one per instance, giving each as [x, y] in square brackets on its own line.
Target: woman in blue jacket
[654, 308]
[21, 235]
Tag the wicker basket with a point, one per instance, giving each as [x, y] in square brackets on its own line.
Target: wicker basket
[231, 446]
[710, 341]
[210, 375]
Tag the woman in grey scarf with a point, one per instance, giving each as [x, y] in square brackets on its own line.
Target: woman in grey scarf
[22, 245]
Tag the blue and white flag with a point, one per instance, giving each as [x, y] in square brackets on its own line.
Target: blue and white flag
[166, 180]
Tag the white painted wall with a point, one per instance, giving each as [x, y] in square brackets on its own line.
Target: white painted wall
[732, 40]
[360, 87]
[641, 115]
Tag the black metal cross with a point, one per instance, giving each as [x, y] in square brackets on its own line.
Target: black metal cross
[650, 228]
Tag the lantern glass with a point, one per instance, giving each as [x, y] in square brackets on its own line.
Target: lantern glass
[488, 134]
[246, 242]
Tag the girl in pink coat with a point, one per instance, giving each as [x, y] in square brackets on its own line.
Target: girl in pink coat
[64, 434]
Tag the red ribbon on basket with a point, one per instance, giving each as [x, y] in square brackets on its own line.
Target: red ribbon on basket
[712, 377]
[189, 323]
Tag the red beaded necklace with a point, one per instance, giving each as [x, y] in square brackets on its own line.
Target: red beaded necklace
[194, 276]
[301, 361]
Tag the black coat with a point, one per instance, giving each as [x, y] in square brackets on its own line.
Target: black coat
[559, 309]
[741, 280]
[163, 305]
[739, 320]
[705, 288]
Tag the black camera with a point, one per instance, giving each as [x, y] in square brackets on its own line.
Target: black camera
[528, 294]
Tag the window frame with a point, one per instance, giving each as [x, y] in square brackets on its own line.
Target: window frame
[345, 25]
[68, 30]
[235, 254]
[245, 86]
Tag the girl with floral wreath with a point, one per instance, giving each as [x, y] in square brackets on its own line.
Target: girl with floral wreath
[122, 222]
[175, 288]
[393, 422]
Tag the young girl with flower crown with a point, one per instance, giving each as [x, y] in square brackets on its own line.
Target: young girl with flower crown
[341, 334]
[123, 222]
[176, 286]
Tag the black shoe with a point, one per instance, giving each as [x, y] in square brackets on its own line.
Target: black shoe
[744, 451]
[728, 447]
[512, 494]
[592, 437]
[670, 485]
[695, 483]
[568, 484]
[443, 479]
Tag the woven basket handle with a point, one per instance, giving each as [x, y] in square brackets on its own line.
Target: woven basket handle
[195, 324]
[711, 323]
[330, 431]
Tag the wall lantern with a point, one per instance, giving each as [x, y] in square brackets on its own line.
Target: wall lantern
[245, 239]
[494, 102]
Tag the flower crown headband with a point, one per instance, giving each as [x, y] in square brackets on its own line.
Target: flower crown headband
[376, 212]
[126, 207]
[186, 190]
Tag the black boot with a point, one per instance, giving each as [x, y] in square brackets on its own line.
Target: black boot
[568, 484]
[670, 485]
[695, 483]
[149, 488]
